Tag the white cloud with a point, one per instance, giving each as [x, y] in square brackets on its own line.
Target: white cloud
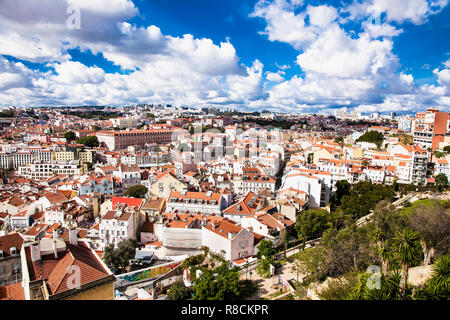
[399, 11]
[338, 67]
[275, 76]
[167, 69]
[73, 72]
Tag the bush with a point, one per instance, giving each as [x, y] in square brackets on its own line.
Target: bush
[178, 291]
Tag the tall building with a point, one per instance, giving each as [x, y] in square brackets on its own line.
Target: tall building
[429, 128]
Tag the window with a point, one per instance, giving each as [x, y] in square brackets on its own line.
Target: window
[2, 269]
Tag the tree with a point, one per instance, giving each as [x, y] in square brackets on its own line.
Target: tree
[70, 136]
[432, 223]
[407, 246]
[342, 189]
[311, 263]
[118, 259]
[441, 181]
[178, 291]
[311, 223]
[386, 255]
[220, 283]
[340, 288]
[89, 141]
[446, 149]
[266, 253]
[389, 287]
[440, 278]
[137, 191]
[372, 137]
[439, 154]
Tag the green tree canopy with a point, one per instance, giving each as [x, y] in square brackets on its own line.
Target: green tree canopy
[311, 223]
[70, 136]
[441, 181]
[220, 283]
[372, 137]
[178, 291]
[137, 191]
[118, 259]
[89, 141]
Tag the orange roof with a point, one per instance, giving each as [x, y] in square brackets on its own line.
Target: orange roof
[131, 202]
[13, 291]
[224, 227]
[246, 206]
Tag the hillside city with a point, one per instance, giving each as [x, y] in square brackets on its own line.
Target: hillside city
[160, 202]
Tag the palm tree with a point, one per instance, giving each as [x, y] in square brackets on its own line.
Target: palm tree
[437, 287]
[409, 250]
[439, 282]
[384, 251]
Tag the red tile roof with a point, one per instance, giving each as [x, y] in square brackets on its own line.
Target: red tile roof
[131, 202]
[10, 240]
[12, 292]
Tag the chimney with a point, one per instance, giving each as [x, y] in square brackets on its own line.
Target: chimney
[35, 249]
[55, 250]
[55, 233]
[73, 238]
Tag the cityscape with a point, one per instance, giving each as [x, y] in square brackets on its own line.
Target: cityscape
[256, 150]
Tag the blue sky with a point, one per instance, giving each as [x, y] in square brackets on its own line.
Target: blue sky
[281, 55]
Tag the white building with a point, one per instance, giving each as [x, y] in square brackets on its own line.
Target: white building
[196, 202]
[226, 236]
[115, 227]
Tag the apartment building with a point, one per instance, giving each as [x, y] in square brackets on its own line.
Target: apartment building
[10, 265]
[195, 202]
[226, 236]
[430, 127]
[41, 170]
[117, 140]
[48, 266]
[116, 226]
[441, 165]
[129, 175]
[253, 180]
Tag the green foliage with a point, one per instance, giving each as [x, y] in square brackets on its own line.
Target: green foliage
[137, 191]
[446, 149]
[372, 137]
[118, 259]
[363, 197]
[311, 223]
[94, 114]
[266, 256]
[193, 261]
[439, 154]
[389, 288]
[441, 181]
[70, 136]
[340, 288]
[311, 263]
[432, 223]
[407, 247]
[266, 249]
[178, 291]
[342, 189]
[439, 282]
[404, 138]
[220, 283]
[89, 141]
